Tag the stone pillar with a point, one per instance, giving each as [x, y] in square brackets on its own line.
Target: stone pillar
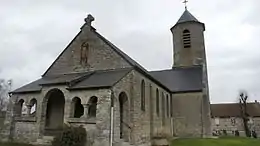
[103, 119]
[29, 107]
[86, 107]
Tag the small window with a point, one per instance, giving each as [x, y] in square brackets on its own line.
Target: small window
[78, 109]
[167, 105]
[163, 108]
[233, 121]
[171, 106]
[163, 105]
[217, 121]
[143, 95]
[186, 39]
[157, 103]
[33, 109]
[20, 107]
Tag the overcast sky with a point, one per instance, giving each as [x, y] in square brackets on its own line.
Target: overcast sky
[34, 32]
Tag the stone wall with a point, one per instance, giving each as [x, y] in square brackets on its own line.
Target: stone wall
[188, 56]
[25, 128]
[256, 126]
[2, 119]
[25, 132]
[98, 127]
[100, 55]
[143, 125]
[226, 124]
[188, 120]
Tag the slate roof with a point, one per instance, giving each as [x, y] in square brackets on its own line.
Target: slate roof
[181, 79]
[101, 79]
[130, 60]
[187, 17]
[31, 87]
[233, 110]
[86, 80]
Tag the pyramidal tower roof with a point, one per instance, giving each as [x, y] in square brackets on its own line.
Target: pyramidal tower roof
[187, 17]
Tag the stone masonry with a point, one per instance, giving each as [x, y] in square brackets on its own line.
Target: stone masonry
[92, 79]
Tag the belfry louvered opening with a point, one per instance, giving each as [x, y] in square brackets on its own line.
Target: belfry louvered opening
[186, 39]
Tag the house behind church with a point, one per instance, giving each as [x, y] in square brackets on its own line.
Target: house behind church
[94, 84]
[227, 117]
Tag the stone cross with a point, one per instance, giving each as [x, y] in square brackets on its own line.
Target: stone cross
[89, 19]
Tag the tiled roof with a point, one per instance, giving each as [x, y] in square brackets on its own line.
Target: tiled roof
[233, 110]
[101, 78]
[181, 79]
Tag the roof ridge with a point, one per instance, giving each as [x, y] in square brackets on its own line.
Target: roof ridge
[176, 68]
[234, 103]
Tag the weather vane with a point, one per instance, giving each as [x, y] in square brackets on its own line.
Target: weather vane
[185, 2]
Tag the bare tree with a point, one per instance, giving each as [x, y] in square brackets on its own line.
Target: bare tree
[244, 114]
[5, 87]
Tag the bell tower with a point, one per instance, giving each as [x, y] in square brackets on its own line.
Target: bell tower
[188, 41]
[189, 51]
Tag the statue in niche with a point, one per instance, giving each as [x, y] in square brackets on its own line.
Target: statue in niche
[84, 52]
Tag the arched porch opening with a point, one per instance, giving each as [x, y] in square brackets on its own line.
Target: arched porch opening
[54, 114]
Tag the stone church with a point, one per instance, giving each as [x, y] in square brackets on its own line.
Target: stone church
[95, 84]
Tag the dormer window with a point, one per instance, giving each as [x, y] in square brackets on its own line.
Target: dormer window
[186, 38]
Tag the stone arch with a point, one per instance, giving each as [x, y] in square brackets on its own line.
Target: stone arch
[19, 107]
[33, 106]
[92, 110]
[77, 108]
[53, 111]
[124, 116]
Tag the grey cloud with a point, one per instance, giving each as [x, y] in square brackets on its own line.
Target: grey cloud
[33, 33]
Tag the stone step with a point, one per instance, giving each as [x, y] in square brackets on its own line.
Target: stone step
[122, 143]
[45, 140]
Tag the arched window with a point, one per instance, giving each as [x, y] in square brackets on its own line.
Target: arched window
[186, 38]
[92, 106]
[167, 105]
[163, 108]
[171, 106]
[163, 105]
[78, 109]
[157, 103]
[33, 107]
[19, 107]
[143, 95]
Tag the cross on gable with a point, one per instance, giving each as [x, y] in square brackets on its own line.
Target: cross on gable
[89, 19]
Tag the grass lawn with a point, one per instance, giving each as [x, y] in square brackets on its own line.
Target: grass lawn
[217, 142]
[14, 144]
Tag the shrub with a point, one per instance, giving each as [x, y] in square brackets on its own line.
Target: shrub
[236, 133]
[70, 136]
[225, 132]
[254, 134]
